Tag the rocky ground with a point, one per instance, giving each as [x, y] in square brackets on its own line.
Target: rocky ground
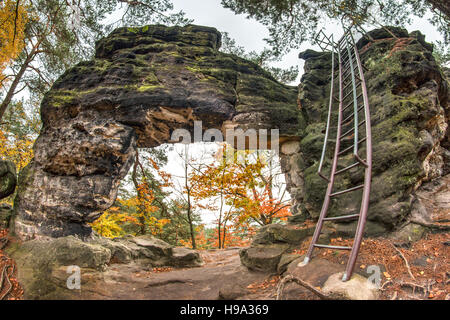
[220, 277]
[415, 271]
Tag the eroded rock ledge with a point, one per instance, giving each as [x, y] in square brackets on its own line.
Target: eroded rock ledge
[43, 263]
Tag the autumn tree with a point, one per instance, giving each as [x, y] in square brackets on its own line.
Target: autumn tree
[13, 17]
[184, 189]
[243, 190]
[139, 209]
[147, 203]
[17, 134]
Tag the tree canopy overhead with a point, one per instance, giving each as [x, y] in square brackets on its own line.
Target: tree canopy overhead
[292, 22]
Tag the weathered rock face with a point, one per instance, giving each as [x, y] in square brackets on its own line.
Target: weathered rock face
[142, 85]
[8, 178]
[327, 276]
[408, 100]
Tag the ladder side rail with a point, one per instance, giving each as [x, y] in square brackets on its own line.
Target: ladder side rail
[330, 107]
[355, 100]
[367, 176]
[326, 202]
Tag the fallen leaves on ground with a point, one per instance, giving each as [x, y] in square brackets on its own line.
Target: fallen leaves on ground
[267, 284]
[16, 292]
[428, 260]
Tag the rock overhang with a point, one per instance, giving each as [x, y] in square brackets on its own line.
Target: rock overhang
[171, 75]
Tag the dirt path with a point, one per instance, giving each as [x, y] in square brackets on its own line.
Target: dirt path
[222, 276]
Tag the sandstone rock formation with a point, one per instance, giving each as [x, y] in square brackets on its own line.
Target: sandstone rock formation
[327, 275]
[146, 82]
[142, 85]
[8, 178]
[268, 251]
[408, 97]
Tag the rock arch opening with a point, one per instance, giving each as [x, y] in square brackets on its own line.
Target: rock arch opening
[142, 85]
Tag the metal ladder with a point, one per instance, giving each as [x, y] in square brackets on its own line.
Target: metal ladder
[352, 103]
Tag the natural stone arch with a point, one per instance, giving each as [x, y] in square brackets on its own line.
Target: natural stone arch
[143, 84]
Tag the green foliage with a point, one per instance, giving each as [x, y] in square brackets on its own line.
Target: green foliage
[263, 59]
[441, 53]
[292, 22]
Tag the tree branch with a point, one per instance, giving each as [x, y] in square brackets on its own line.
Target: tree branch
[304, 284]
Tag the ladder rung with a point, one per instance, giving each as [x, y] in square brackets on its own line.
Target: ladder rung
[346, 69]
[345, 78]
[348, 93]
[350, 216]
[347, 132]
[352, 129]
[352, 115]
[348, 105]
[344, 54]
[347, 190]
[351, 147]
[359, 83]
[332, 247]
[347, 168]
[356, 85]
[348, 75]
[348, 63]
[323, 177]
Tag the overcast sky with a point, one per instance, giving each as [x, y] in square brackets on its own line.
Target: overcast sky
[250, 34]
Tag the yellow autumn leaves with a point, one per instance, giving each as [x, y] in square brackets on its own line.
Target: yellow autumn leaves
[13, 17]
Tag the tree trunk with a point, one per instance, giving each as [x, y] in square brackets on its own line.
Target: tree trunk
[224, 234]
[139, 195]
[10, 94]
[188, 189]
[191, 227]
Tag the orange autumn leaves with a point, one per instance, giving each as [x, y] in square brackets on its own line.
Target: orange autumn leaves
[244, 185]
[241, 194]
[17, 149]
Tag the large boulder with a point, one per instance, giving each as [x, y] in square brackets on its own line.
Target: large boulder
[154, 245]
[327, 277]
[274, 233]
[8, 178]
[268, 250]
[357, 288]
[263, 258]
[142, 84]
